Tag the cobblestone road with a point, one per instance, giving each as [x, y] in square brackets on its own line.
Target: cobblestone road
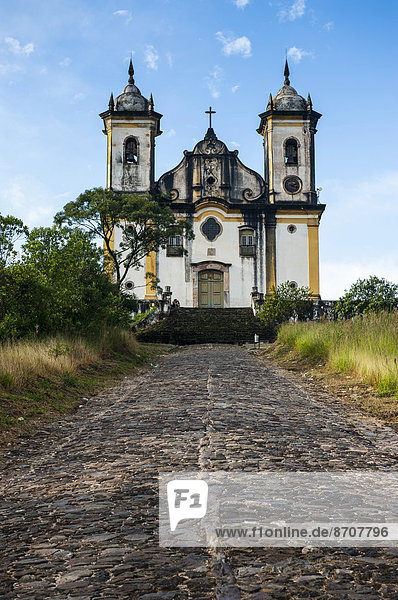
[79, 502]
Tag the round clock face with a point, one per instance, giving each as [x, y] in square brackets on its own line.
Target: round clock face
[292, 185]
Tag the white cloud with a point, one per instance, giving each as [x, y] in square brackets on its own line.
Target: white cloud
[235, 144]
[65, 62]
[213, 81]
[169, 58]
[231, 45]
[336, 277]
[26, 202]
[295, 11]
[171, 133]
[241, 3]
[297, 54]
[235, 88]
[329, 25]
[6, 69]
[78, 97]
[151, 58]
[15, 47]
[126, 14]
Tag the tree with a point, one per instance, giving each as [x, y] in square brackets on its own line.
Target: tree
[286, 301]
[11, 230]
[80, 295]
[24, 301]
[146, 224]
[367, 295]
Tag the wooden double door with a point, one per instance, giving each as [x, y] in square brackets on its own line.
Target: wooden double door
[211, 289]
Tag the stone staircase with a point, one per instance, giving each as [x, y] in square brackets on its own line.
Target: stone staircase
[206, 325]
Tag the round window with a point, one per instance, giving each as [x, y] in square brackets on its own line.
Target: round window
[211, 229]
[291, 228]
[129, 285]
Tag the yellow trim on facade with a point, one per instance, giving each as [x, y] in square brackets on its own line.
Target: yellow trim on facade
[293, 124]
[277, 118]
[129, 124]
[213, 213]
[304, 221]
[108, 262]
[109, 159]
[304, 211]
[270, 155]
[150, 267]
[313, 259]
[271, 280]
[213, 204]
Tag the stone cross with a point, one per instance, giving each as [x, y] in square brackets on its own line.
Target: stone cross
[210, 112]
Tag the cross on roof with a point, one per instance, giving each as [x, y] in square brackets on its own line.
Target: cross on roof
[210, 112]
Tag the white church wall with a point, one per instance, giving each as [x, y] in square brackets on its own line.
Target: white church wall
[177, 271]
[226, 250]
[281, 132]
[172, 272]
[137, 277]
[131, 176]
[292, 253]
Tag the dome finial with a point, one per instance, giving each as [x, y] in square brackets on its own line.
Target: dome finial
[286, 74]
[131, 71]
[151, 104]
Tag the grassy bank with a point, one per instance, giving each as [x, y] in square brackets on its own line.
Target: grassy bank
[366, 348]
[43, 379]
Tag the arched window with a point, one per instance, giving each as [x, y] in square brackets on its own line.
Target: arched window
[291, 153]
[131, 151]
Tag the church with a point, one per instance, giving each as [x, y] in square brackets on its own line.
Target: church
[251, 231]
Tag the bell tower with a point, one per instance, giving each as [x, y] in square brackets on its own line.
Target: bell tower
[131, 126]
[288, 128]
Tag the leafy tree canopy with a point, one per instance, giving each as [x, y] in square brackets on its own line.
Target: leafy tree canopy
[145, 223]
[367, 295]
[286, 301]
[11, 230]
[82, 295]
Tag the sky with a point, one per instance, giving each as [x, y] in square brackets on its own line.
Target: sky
[60, 60]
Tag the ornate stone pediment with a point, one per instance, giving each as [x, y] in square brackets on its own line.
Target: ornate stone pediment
[212, 171]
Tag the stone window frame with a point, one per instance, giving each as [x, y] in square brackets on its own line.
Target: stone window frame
[217, 221]
[295, 177]
[126, 140]
[291, 137]
[211, 265]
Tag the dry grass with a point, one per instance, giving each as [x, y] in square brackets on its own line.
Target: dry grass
[365, 347]
[24, 361]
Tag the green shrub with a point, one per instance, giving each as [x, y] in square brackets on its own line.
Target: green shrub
[285, 302]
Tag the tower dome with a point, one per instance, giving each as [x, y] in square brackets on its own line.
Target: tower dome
[131, 99]
[287, 98]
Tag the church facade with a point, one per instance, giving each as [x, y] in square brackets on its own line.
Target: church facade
[251, 231]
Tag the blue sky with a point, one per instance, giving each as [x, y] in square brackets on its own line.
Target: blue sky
[60, 60]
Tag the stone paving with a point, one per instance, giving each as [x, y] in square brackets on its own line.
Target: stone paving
[79, 502]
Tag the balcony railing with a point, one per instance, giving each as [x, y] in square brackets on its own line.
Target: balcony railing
[174, 250]
[248, 250]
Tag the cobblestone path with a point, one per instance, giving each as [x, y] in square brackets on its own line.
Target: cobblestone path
[79, 501]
